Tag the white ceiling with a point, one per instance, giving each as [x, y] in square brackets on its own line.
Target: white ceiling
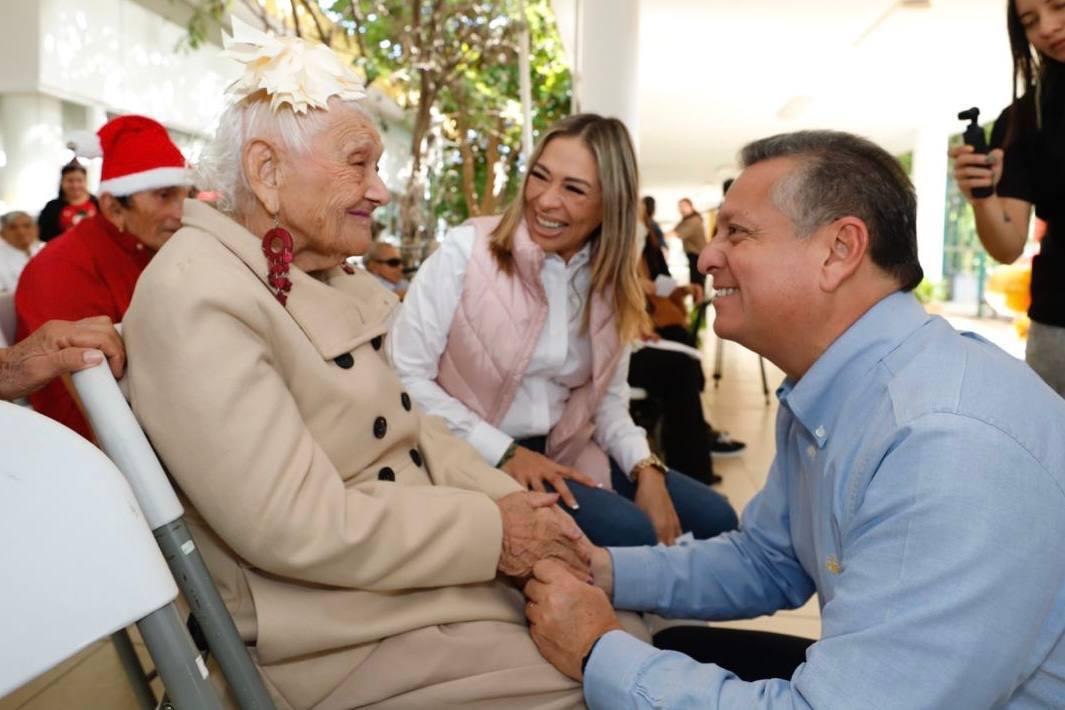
[715, 74]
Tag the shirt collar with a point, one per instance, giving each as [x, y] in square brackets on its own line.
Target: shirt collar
[125, 241]
[815, 399]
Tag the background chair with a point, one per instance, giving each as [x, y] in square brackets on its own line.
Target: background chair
[7, 318]
[79, 561]
[698, 321]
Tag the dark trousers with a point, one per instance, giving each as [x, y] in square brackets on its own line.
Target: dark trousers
[674, 381]
[751, 655]
[694, 274]
[611, 519]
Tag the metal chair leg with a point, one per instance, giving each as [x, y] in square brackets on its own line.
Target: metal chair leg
[135, 674]
[719, 360]
[765, 382]
[180, 666]
[217, 625]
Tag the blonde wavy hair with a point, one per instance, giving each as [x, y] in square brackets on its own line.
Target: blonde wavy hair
[614, 250]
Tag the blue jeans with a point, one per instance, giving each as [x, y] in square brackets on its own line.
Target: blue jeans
[611, 519]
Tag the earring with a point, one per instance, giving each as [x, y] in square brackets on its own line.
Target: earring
[277, 248]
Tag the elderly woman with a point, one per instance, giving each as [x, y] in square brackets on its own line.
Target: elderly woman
[363, 551]
[517, 332]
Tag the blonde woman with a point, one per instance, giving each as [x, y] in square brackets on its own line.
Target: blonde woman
[517, 331]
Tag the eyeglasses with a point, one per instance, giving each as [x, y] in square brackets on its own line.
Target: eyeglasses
[390, 262]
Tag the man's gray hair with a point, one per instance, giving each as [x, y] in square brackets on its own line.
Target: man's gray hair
[842, 175]
[12, 216]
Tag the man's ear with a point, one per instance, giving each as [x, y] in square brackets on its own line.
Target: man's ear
[848, 243]
[113, 210]
[262, 169]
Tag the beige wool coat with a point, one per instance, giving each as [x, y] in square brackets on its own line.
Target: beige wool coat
[333, 515]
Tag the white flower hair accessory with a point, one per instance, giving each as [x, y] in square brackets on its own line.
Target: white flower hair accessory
[290, 70]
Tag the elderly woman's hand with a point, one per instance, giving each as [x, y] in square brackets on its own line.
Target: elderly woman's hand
[535, 529]
[57, 348]
[533, 470]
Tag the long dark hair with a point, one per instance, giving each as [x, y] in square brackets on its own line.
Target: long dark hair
[70, 167]
[1035, 78]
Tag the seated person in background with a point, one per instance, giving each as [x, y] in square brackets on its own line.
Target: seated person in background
[918, 486]
[92, 269]
[365, 554]
[383, 261]
[73, 203]
[517, 331]
[18, 243]
[673, 379]
[58, 348]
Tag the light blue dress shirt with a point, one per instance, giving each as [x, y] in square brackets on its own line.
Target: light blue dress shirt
[919, 489]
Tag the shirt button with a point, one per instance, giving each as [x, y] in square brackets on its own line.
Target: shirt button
[404, 399]
[820, 433]
[386, 474]
[376, 342]
[345, 361]
[416, 457]
[380, 427]
[811, 451]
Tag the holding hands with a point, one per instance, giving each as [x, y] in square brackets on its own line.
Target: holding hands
[534, 530]
[566, 615]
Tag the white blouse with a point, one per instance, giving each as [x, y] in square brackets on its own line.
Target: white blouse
[561, 361]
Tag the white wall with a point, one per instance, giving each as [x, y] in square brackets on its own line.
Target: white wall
[120, 55]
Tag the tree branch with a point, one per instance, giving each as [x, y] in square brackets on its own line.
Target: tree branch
[295, 18]
[325, 37]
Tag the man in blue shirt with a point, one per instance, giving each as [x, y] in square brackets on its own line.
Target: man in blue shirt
[918, 486]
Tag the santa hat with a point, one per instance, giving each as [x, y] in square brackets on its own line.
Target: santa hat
[138, 155]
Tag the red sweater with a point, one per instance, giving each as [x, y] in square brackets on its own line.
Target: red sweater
[89, 271]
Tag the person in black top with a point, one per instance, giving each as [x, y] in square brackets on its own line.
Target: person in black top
[73, 203]
[1026, 166]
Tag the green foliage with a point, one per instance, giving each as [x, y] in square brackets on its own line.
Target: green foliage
[471, 47]
[205, 15]
[928, 291]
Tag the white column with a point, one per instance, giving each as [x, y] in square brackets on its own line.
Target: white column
[32, 126]
[607, 59]
[930, 166]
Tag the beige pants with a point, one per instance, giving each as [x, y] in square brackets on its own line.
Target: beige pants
[480, 665]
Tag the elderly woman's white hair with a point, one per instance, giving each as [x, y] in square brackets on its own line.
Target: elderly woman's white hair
[285, 94]
[220, 168]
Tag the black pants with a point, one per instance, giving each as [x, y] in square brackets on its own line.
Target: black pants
[694, 275]
[751, 655]
[675, 380]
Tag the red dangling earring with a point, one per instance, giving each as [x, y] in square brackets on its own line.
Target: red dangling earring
[277, 248]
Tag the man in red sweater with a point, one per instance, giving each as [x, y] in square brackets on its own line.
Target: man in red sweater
[92, 269]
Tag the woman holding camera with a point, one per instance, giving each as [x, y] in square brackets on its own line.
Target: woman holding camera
[1026, 168]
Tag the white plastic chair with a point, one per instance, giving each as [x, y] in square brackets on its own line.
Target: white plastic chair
[79, 561]
[7, 318]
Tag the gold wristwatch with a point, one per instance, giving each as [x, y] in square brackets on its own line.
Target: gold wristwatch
[651, 460]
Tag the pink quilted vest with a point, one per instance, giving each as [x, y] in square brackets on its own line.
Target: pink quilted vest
[492, 339]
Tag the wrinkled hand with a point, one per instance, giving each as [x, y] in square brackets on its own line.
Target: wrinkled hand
[57, 348]
[533, 530]
[533, 470]
[566, 616]
[653, 499]
[975, 170]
